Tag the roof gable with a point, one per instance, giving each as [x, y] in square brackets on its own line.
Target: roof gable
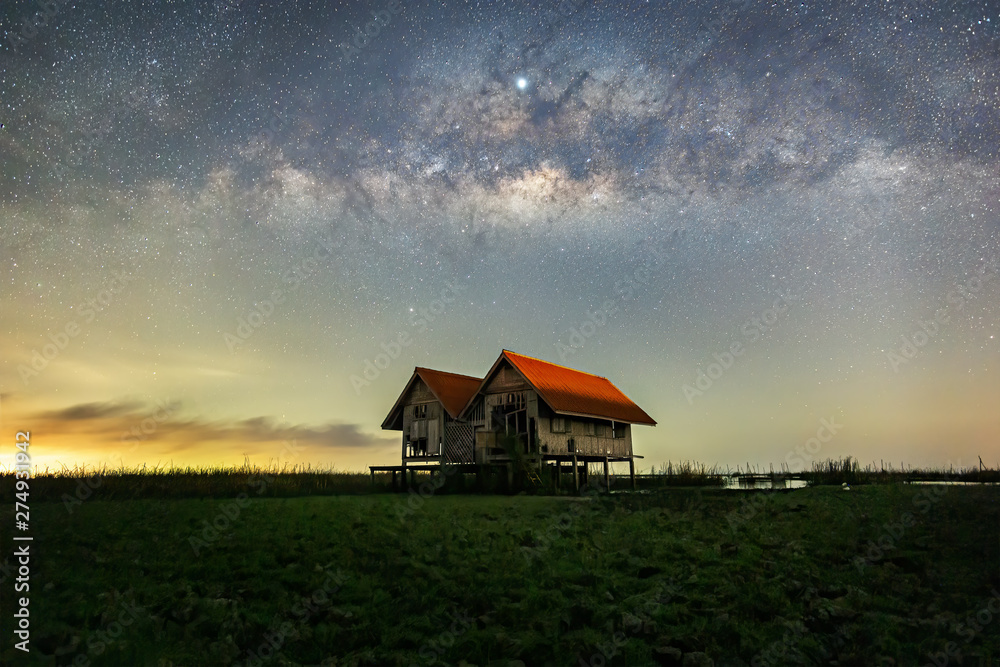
[452, 390]
[572, 392]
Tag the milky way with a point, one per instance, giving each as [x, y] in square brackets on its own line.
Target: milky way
[626, 188]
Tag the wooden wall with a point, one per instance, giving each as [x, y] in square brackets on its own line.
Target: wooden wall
[558, 443]
[420, 394]
[506, 379]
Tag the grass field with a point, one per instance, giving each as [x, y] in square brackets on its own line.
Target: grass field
[879, 575]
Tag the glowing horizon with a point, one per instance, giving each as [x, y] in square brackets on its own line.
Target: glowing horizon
[749, 221]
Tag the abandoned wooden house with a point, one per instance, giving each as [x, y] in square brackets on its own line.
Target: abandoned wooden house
[525, 412]
[427, 412]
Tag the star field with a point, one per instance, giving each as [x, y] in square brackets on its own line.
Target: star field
[656, 174]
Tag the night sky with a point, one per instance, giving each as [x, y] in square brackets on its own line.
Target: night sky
[765, 222]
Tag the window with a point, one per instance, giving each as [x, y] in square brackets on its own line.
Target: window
[619, 430]
[420, 411]
[559, 425]
[594, 428]
[514, 401]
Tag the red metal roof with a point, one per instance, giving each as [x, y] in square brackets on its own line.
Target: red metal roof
[574, 392]
[452, 389]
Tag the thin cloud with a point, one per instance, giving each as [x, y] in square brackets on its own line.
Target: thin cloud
[146, 423]
[87, 411]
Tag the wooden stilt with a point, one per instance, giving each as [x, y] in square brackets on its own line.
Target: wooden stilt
[402, 457]
[631, 471]
[607, 476]
[576, 477]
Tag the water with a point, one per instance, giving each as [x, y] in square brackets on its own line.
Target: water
[764, 484]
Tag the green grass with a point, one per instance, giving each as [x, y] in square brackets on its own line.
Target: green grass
[123, 483]
[848, 470]
[743, 577]
[70, 485]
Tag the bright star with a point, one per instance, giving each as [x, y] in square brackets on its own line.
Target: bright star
[522, 83]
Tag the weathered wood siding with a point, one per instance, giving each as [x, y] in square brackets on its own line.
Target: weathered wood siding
[506, 379]
[584, 444]
[491, 401]
[432, 426]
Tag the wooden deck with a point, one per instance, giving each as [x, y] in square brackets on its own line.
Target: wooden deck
[575, 464]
